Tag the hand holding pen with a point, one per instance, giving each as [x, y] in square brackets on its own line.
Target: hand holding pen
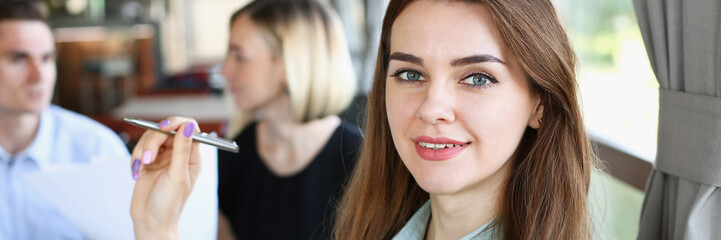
[165, 168]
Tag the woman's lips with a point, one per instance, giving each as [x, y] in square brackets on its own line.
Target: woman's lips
[438, 149]
[234, 90]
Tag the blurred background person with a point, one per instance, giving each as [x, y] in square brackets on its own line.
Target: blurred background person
[288, 68]
[35, 134]
[289, 72]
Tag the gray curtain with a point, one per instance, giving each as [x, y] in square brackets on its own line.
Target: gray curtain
[683, 194]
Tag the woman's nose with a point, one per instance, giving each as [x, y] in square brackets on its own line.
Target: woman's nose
[225, 70]
[437, 107]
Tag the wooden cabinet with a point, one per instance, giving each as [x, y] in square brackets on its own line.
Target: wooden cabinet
[101, 67]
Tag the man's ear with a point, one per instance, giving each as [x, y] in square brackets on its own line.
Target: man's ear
[535, 120]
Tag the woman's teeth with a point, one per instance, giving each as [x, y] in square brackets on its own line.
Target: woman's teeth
[439, 146]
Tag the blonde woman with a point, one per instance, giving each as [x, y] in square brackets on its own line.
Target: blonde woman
[290, 73]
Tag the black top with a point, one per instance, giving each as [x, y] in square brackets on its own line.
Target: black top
[261, 205]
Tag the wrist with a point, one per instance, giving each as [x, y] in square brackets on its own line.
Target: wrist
[161, 233]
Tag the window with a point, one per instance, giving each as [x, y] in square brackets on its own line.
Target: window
[618, 88]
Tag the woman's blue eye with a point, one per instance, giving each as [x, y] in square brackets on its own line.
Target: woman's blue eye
[235, 56]
[410, 75]
[479, 79]
[18, 59]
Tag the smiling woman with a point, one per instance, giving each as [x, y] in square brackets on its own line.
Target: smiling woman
[477, 106]
[473, 131]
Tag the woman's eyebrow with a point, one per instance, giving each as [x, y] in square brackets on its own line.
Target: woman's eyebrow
[406, 58]
[234, 47]
[479, 58]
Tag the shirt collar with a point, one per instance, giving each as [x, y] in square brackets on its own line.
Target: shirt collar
[415, 228]
[4, 155]
[39, 150]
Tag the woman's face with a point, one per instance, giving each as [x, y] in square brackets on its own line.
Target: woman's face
[458, 102]
[255, 74]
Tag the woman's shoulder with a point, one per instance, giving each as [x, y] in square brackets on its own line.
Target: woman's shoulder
[343, 144]
[247, 133]
[347, 135]
[352, 131]
[245, 140]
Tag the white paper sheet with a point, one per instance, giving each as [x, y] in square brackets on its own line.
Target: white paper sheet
[99, 200]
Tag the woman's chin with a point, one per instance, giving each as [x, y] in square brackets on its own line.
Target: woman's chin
[439, 185]
[244, 105]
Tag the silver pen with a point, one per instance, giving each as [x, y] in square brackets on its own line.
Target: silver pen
[199, 137]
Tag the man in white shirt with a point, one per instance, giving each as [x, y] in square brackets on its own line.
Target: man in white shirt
[33, 133]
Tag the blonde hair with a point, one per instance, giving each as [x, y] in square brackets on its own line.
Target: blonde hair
[310, 38]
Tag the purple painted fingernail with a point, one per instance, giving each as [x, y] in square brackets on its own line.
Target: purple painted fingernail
[164, 123]
[189, 128]
[136, 165]
[146, 157]
[136, 169]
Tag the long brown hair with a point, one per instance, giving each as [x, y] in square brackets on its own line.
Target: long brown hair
[545, 196]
